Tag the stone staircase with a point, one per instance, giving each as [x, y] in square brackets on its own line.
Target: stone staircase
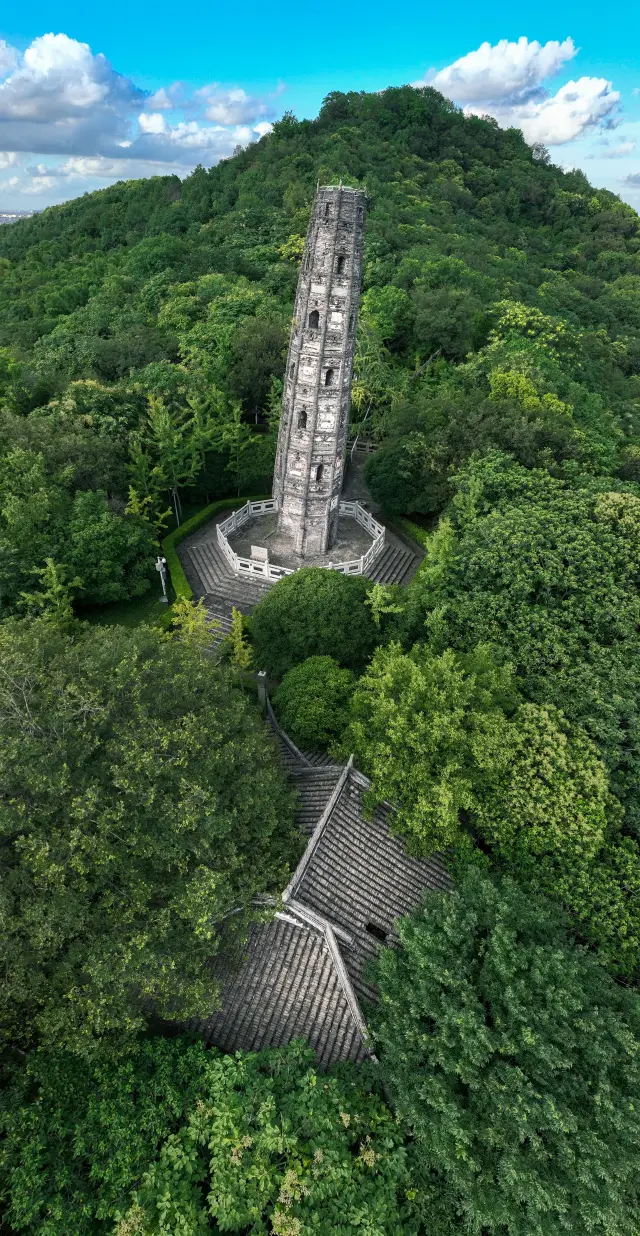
[396, 564]
[218, 580]
[212, 577]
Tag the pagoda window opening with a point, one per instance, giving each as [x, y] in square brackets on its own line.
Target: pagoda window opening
[328, 377]
[319, 473]
[340, 264]
[302, 419]
[314, 319]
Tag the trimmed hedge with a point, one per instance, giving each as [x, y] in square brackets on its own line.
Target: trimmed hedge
[179, 580]
[413, 531]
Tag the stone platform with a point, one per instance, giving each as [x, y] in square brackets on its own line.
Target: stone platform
[352, 541]
[211, 577]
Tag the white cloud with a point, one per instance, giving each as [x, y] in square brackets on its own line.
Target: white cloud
[507, 82]
[492, 73]
[60, 98]
[8, 58]
[152, 122]
[617, 152]
[163, 100]
[229, 107]
[575, 108]
[632, 180]
[68, 107]
[39, 184]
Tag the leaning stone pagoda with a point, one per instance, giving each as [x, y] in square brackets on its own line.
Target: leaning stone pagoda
[317, 393]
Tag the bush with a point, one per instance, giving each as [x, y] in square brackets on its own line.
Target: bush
[313, 613]
[514, 1058]
[113, 555]
[312, 702]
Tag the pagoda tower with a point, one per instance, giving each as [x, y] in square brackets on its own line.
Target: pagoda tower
[317, 392]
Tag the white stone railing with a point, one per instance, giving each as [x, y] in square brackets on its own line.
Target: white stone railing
[268, 570]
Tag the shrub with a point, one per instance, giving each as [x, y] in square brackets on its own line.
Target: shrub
[312, 702]
[314, 612]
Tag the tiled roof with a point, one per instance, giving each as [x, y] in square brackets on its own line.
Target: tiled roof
[314, 787]
[288, 987]
[360, 876]
[303, 971]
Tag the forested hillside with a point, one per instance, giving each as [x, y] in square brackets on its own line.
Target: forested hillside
[494, 701]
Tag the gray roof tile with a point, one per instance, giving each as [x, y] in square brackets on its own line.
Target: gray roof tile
[286, 988]
[303, 971]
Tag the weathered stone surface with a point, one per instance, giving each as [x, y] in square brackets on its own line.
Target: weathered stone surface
[317, 393]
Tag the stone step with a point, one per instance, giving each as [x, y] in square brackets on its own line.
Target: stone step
[218, 580]
[393, 566]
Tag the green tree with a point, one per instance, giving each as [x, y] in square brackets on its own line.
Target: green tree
[312, 702]
[274, 1145]
[79, 1133]
[241, 654]
[549, 817]
[258, 350]
[143, 810]
[314, 612]
[428, 730]
[550, 574]
[53, 600]
[113, 554]
[514, 1060]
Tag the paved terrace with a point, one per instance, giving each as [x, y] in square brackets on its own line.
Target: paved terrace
[211, 577]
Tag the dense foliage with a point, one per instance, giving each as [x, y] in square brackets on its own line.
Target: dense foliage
[142, 339]
[143, 808]
[79, 1133]
[515, 1060]
[313, 613]
[172, 1138]
[312, 700]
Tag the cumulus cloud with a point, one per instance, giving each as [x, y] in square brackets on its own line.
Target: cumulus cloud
[165, 99]
[8, 58]
[152, 122]
[60, 101]
[632, 180]
[231, 106]
[492, 73]
[61, 98]
[575, 108]
[507, 82]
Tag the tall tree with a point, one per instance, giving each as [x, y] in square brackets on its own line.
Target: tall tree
[515, 1060]
[143, 809]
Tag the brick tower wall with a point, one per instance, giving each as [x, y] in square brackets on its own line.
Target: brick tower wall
[317, 391]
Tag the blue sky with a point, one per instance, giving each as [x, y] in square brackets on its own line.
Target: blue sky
[94, 93]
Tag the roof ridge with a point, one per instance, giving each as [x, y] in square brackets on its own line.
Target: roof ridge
[317, 832]
[316, 770]
[329, 932]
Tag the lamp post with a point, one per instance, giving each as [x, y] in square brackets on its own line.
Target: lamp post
[161, 566]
